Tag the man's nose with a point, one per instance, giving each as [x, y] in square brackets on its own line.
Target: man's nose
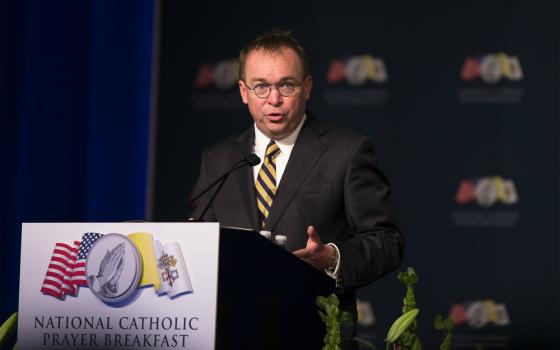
[274, 98]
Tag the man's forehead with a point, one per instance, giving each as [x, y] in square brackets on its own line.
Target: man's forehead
[256, 60]
[272, 51]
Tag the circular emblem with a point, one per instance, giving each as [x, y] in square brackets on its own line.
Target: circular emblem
[486, 192]
[477, 315]
[356, 71]
[225, 75]
[113, 268]
[491, 69]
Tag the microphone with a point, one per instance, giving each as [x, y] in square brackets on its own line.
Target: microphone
[248, 160]
[252, 159]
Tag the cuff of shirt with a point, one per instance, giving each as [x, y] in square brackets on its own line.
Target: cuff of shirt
[336, 273]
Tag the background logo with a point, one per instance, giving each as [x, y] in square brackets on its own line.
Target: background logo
[214, 87]
[222, 75]
[487, 191]
[492, 68]
[482, 74]
[478, 314]
[357, 70]
[494, 198]
[348, 80]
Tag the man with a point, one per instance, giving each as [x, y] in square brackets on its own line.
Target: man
[316, 183]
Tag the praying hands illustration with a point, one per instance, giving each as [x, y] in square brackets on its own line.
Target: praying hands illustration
[110, 269]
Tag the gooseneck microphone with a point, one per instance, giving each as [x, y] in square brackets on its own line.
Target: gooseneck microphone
[252, 159]
[249, 160]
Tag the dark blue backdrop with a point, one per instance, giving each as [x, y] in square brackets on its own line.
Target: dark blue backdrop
[75, 117]
[494, 263]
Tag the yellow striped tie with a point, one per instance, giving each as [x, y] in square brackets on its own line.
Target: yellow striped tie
[266, 182]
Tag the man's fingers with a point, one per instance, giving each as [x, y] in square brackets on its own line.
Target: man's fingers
[311, 231]
[301, 253]
[313, 242]
[298, 252]
[313, 235]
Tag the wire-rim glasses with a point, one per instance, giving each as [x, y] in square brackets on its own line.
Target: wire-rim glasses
[285, 88]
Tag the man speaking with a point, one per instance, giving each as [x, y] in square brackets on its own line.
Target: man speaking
[317, 184]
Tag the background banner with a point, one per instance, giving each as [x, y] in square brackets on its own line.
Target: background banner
[461, 100]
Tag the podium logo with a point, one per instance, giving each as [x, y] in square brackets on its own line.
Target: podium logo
[478, 314]
[222, 75]
[357, 70]
[487, 191]
[492, 68]
[113, 266]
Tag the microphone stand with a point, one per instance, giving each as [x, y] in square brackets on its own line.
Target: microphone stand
[223, 179]
[251, 160]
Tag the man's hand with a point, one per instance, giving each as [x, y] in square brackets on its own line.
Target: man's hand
[315, 253]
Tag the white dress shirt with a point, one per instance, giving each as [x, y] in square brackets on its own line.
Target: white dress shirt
[286, 145]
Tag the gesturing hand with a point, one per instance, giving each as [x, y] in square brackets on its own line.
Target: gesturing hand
[315, 253]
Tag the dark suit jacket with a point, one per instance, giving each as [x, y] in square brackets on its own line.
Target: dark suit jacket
[331, 181]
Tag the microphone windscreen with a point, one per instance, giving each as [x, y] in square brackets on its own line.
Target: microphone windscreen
[253, 159]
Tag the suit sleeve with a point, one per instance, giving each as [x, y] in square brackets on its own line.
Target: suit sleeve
[201, 184]
[376, 244]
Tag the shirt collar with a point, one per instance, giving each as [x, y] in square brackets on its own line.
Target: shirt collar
[261, 140]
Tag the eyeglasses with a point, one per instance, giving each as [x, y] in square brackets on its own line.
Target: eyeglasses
[286, 89]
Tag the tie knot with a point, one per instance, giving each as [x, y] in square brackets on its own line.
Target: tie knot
[272, 149]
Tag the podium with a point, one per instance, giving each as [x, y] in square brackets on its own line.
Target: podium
[225, 288]
[266, 296]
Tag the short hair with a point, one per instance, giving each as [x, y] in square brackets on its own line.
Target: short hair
[272, 42]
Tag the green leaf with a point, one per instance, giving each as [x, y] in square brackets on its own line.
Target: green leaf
[417, 345]
[444, 324]
[8, 328]
[331, 309]
[409, 277]
[438, 322]
[401, 324]
[363, 342]
[333, 299]
[321, 301]
[345, 319]
[406, 338]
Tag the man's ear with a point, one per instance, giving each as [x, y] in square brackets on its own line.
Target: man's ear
[307, 87]
[243, 91]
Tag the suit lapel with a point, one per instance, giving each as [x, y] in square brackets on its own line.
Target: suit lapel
[244, 178]
[307, 150]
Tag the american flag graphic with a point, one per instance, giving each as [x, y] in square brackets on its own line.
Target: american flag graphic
[67, 267]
